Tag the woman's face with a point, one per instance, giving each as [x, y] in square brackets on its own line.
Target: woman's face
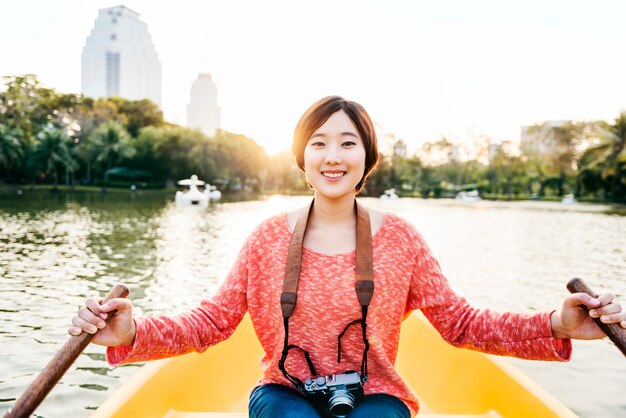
[334, 157]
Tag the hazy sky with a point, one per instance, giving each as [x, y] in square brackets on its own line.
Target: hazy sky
[421, 68]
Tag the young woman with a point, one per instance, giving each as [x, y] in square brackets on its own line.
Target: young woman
[335, 145]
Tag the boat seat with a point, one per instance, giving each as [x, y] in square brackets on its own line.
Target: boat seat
[183, 414]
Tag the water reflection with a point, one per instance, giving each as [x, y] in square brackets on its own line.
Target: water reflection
[194, 249]
[56, 250]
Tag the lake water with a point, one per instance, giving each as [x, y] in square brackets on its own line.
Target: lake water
[55, 250]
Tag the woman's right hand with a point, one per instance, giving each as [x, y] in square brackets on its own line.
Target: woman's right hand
[119, 330]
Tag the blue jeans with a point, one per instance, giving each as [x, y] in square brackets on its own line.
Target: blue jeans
[278, 401]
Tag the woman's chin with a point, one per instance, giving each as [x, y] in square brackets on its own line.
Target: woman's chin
[333, 193]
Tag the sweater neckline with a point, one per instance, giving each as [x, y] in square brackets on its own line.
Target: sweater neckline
[305, 249]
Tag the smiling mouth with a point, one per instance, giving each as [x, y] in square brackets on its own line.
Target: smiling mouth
[333, 174]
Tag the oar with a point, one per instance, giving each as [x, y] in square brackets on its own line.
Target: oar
[43, 384]
[615, 332]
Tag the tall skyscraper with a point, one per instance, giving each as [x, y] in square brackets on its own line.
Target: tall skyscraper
[202, 111]
[119, 58]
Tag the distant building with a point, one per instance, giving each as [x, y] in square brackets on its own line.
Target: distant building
[202, 111]
[119, 58]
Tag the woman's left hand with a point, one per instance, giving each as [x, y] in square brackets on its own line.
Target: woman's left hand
[573, 321]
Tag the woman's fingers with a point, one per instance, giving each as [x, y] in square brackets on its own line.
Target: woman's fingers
[93, 304]
[612, 318]
[116, 304]
[92, 316]
[605, 298]
[576, 299]
[87, 319]
[75, 331]
[611, 308]
[79, 322]
[609, 311]
[88, 316]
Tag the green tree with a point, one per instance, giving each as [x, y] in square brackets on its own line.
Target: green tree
[242, 159]
[552, 150]
[87, 151]
[381, 178]
[470, 175]
[608, 157]
[282, 174]
[26, 105]
[148, 146]
[89, 115]
[112, 143]
[172, 149]
[204, 156]
[53, 151]
[23, 105]
[430, 182]
[92, 113]
[405, 172]
[12, 147]
[139, 114]
[507, 173]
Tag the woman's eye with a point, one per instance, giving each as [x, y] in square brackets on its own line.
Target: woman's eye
[349, 144]
[317, 144]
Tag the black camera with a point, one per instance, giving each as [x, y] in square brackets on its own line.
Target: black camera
[337, 395]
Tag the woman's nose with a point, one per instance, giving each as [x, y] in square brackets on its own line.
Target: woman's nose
[333, 155]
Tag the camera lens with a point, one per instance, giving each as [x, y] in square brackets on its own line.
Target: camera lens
[341, 403]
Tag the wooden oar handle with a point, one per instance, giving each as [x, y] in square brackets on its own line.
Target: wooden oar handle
[615, 332]
[43, 384]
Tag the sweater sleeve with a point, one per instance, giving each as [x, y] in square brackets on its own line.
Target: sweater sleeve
[195, 330]
[523, 335]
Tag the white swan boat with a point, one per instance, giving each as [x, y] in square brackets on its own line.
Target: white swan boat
[468, 197]
[196, 192]
[389, 194]
[212, 192]
[569, 199]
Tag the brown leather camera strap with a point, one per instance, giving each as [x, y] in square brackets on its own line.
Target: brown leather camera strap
[364, 284]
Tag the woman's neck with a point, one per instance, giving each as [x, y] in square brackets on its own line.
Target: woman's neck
[333, 212]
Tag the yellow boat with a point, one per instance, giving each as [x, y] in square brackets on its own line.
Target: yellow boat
[448, 381]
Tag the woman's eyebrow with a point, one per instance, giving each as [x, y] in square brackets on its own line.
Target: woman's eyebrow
[323, 135]
[349, 134]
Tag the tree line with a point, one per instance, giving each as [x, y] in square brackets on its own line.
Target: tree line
[583, 158]
[47, 137]
[54, 138]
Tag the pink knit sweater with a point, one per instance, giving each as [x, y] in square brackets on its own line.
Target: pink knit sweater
[406, 276]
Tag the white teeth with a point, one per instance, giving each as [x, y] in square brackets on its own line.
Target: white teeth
[333, 175]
